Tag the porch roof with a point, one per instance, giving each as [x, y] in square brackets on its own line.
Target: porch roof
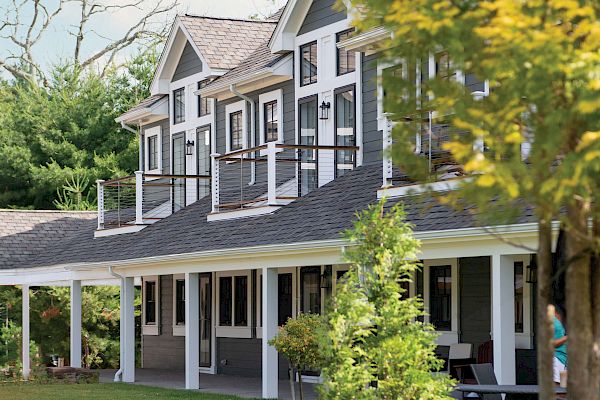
[320, 215]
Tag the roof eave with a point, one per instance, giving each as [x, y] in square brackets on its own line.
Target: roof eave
[366, 41]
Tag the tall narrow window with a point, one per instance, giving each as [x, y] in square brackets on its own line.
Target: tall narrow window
[519, 297]
[345, 132]
[241, 301]
[236, 130]
[225, 297]
[271, 121]
[346, 60]
[308, 137]
[443, 66]
[178, 184]
[308, 60]
[179, 106]
[310, 290]
[180, 302]
[150, 303]
[203, 102]
[203, 160]
[152, 152]
[440, 297]
[284, 298]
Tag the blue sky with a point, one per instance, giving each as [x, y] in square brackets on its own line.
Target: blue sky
[58, 43]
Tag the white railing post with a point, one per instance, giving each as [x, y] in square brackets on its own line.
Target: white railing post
[139, 198]
[215, 181]
[271, 173]
[25, 357]
[100, 184]
[387, 147]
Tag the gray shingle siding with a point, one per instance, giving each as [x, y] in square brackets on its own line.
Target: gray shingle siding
[189, 63]
[166, 144]
[321, 13]
[243, 357]
[372, 138]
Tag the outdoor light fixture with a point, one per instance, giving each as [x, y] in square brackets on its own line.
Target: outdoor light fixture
[189, 148]
[532, 271]
[326, 278]
[325, 110]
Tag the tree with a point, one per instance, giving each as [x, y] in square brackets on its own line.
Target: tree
[298, 341]
[375, 345]
[533, 142]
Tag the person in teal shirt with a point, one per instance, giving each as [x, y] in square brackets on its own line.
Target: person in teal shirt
[560, 346]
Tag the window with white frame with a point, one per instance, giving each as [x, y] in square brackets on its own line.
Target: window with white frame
[345, 129]
[233, 304]
[179, 305]
[440, 297]
[151, 305]
[308, 66]
[286, 297]
[271, 116]
[178, 106]
[153, 146]
[235, 126]
[346, 60]
[203, 102]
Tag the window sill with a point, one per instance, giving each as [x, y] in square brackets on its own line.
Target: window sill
[242, 332]
[178, 330]
[150, 330]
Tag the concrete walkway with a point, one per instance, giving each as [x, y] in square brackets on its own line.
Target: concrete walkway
[224, 384]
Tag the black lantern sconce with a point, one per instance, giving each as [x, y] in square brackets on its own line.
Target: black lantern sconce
[532, 270]
[326, 278]
[189, 148]
[324, 110]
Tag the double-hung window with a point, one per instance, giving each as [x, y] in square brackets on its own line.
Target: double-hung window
[153, 152]
[307, 124]
[236, 130]
[308, 60]
[233, 296]
[310, 290]
[150, 305]
[179, 106]
[271, 121]
[203, 102]
[443, 66]
[440, 297]
[346, 60]
[345, 130]
[180, 302]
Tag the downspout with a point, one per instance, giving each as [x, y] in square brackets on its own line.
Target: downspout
[118, 374]
[233, 90]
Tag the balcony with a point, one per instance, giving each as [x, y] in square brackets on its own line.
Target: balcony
[131, 203]
[261, 179]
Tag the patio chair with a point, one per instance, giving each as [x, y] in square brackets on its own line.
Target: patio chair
[484, 375]
[460, 355]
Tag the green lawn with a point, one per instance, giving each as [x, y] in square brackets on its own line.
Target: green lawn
[99, 391]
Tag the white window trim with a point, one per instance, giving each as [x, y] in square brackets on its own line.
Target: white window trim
[233, 331]
[275, 95]
[178, 330]
[185, 106]
[152, 329]
[445, 338]
[148, 133]
[292, 271]
[232, 108]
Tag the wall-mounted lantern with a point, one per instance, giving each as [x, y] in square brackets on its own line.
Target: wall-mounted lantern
[325, 110]
[532, 271]
[189, 148]
[326, 278]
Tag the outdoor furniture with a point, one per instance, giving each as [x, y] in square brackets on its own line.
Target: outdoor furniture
[484, 375]
[460, 356]
[511, 391]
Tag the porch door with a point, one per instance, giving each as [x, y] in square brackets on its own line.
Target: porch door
[178, 169]
[205, 283]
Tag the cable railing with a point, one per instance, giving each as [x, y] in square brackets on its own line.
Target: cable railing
[143, 199]
[275, 174]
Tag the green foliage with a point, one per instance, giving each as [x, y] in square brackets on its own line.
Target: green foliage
[63, 134]
[297, 341]
[374, 345]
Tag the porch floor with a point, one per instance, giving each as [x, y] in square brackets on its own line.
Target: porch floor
[223, 384]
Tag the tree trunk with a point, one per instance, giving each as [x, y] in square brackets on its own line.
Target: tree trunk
[595, 273]
[292, 385]
[545, 349]
[579, 303]
[300, 384]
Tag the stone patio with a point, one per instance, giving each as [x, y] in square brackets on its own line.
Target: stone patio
[224, 384]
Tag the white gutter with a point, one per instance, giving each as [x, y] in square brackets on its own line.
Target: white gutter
[233, 90]
[119, 373]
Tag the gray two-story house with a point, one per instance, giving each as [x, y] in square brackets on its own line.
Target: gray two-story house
[259, 142]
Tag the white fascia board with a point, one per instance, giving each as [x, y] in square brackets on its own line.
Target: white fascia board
[159, 109]
[363, 41]
[289, 23]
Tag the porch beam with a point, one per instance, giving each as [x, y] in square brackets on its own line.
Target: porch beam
[270, 367]
[503, 318]
[25, 326]
[127, 328]
[192, 331]
[76, 324]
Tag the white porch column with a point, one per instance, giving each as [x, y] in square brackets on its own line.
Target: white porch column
[127, 326]
[270, 371]
[192, 331]
[503, 319]
[25, 327]
[76, 324]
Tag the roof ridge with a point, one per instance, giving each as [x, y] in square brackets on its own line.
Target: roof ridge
[264, 21]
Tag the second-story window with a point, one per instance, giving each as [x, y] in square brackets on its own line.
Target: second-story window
[179, 106]
[308, 58]
[271, 121]
[345, 132]
[346, 60]
[203, 102]
[236, 130]
[443, 66]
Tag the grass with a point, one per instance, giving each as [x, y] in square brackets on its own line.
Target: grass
[100, 391]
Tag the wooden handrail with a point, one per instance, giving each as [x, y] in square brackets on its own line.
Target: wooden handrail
[316, 147]
[117, 180]
[159, 176]
[241, 152]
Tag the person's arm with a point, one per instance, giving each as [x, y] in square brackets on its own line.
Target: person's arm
[561, 341]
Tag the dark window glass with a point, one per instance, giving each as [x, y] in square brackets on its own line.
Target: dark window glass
[346, 60]
[308, 67]
[203, 102]
[519, 296]
[205, 319]
[310, 290]
[180, 301]
[225, 296]
[150, 307]
[178, 169]
[419, 287]
[241, 301]
[271, 121]
[203, 160]
[284, 298]
[443, 66]
[345, 132]
[308, 136]
[179, 106]
[153, 152]
[440, 294]
[235, 130]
